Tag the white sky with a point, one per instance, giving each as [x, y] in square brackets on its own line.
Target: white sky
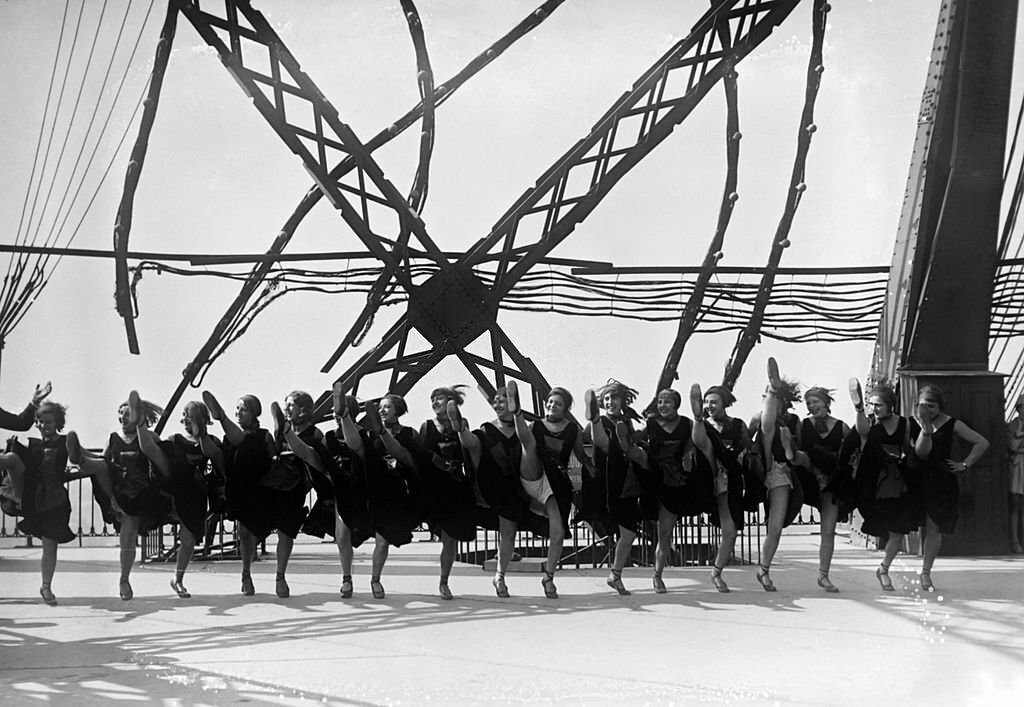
[217, 180]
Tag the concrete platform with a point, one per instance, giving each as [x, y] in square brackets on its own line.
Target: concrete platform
[963, 645]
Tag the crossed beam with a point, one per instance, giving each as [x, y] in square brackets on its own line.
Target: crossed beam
[454, 307]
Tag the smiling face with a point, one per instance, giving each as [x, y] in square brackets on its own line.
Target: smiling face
[246, 420]
[612, 403]
[666, 406]
[555, 408]
[388, 412]
[714, 405]
[817, 408]
[293, 411]
[46, 423]
[438, 401]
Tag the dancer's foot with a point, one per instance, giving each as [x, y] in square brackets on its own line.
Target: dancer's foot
[216, 411]
[615, 582]
[373, 420]
[179, 588]
[696, 401]
[774, 379]
[926, 581]
[548, 583]
[338, 398]
[248, 588]
[825, 583]
[717, 581]
[444, 591]
[590, 405]
[659, 584]
[124, 589]
[134, 409]
[1017, 549]
[281, 587]
[856, 394]
[764, 579]
[74, 447]
[376, 588]
[47, 594]
[500, 588]
[512, 397]
[882, 573]
[278, 422]
[346, 587]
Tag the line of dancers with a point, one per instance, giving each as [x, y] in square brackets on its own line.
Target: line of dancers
[378, 479]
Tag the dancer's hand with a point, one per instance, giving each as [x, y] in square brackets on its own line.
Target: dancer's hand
[42, 391]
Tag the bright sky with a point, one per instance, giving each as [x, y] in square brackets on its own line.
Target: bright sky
[217, 180]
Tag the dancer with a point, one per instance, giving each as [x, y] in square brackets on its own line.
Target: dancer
[888, 495]
[188, 461]
[932, 431]
[444, 487]
[777, 447]
[548, 445]
[264, 491]
[38, 472]
[1015, 436]
[495, 455]
[624, 500]
[373, 470]
[721, 456]
[821, 438]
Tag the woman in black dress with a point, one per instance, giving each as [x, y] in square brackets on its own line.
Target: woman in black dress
[933, 432]
[263, 492]
[38, 472]
[192, 462]
[821, 438]
[495, 456]
[625, 502]
[444, 485]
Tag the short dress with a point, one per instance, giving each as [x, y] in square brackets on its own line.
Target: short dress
[263, 491]
[556, 449]
[497, 477]
[939, 485]
[823, 451]
[888, 494]
[445, 489]
[616, 494]
[1015, 433]
[348, 476]
[779, 473]
[192, 477]
[138, 488]
[680, 484]
[725, 478]
[44, 501]
[389, 487]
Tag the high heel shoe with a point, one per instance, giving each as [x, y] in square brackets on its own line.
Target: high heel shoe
[764, 579]
[47, 594]
[281, 587]
[346, 587]
[444, 591]
[500, 588]
[615, 582]
[825, 583]
[248, 588]
[659, 584]
[550, 591]
[377, 589]
[883, 578]
[179, 588]
[125, 590]
[717, 581]
[926, 581]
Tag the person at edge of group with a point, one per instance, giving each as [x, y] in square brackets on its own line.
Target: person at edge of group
[624, 500]
[34, 486]
[1015, 439]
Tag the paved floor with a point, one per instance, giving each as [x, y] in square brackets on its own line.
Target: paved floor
[963, 645]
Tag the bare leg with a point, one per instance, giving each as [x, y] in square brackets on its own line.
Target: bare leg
[380, 556]
[829, 517]
[343, 539]
[247, 548]
[506, 545]
[728, 544]
[186, 548]
[666, 522]
[556, 536]
[778, 501]
[622, 550]
[47, 566]
[284, 553]
[932, 545]
[127, 540]
[449, 546]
